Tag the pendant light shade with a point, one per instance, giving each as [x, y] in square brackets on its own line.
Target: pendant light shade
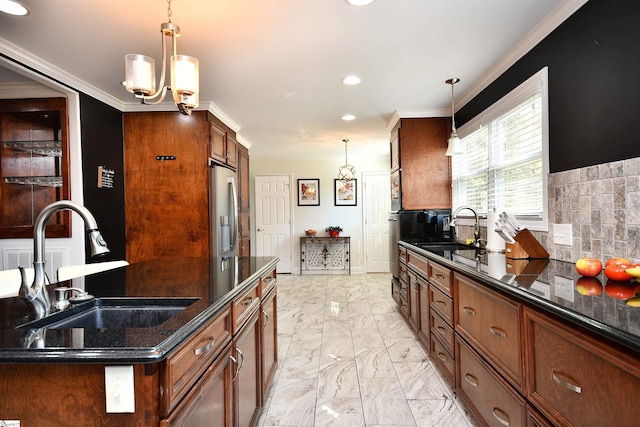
[140, 73]
[346, 172]
[454, 144]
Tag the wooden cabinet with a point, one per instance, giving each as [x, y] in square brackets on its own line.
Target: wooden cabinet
[418, 147]
[161, 218]
[222, 142]
[424, 327]
[269, 340]
[492, 324]
[441, 318]
[488, 395]
[210, 401]
[414, 300]
[244, 228]
[34, 165]
[575, 380]
[183, 368]
[247, 382]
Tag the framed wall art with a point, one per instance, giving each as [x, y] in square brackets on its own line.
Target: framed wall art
[345, 193]
[309, 192]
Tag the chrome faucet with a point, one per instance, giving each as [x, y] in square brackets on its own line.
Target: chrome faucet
[35, 295]
[477, 242]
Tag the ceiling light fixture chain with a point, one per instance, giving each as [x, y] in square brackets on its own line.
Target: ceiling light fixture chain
[454, 144]
[346, 172]
[185, 74]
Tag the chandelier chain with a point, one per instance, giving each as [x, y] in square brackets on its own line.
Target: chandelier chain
[169, 11]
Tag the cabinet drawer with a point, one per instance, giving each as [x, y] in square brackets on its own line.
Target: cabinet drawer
[442, 357]
[267, 282]
[404, 273]
[184, 367]
[442, 331]
[442, 304]
[419, 263]
[244, 305]
[441, 277]
[576, 380]
[492, 324]
[490, 397]
[402, 254]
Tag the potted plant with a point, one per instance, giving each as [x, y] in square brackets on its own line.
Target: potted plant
[334, 230]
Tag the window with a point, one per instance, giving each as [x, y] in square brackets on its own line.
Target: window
[505, 164]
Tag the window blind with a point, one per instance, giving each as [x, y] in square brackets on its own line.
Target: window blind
[505, 161]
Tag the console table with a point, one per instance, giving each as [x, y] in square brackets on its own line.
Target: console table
[326, 255]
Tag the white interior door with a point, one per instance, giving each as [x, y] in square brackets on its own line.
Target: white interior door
[273, 219]
[377, 203]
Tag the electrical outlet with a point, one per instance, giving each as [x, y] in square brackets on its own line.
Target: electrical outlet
[119, 389]
[562, 234]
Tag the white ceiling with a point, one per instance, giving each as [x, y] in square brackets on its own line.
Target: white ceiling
[273, 68]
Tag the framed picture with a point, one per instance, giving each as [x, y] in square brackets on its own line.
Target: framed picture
[345, 193]
[308, 192]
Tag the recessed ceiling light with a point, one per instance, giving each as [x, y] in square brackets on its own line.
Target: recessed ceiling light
[351, 80]
[12, 7]
[348, 117]
[359, 2]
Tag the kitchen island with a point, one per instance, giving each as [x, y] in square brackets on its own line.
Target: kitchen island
[186, 370]
[524, 341]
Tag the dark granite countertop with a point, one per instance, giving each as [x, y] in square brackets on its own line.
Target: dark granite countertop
[554, 287]
[213, 282]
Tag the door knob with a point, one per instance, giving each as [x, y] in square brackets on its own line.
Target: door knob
[259, 229]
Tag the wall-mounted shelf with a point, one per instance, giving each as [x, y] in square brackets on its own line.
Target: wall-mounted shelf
[44, 148]
[42, 181]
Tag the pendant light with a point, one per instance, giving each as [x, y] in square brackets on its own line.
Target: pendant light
[141, 74]
[346, 172]
[454, 143]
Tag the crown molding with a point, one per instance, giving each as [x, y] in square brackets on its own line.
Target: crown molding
[552, 21]
[50, 75]
[27, 90]
[415, 114]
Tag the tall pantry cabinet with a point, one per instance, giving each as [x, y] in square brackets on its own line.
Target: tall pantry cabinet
[166, 167]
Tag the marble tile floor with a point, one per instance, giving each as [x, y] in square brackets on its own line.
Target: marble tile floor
[347, 358]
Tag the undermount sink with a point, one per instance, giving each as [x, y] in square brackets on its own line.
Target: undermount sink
[114, 313]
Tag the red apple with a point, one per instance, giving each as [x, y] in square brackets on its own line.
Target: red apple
[617, 261]
[621, 290]
[617, 272]
[589, 267]
[589, 286]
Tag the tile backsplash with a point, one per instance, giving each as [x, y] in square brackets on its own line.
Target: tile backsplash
[602, 204]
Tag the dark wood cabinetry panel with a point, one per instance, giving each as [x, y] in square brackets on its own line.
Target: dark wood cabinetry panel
[166, 202]
[248, 384]
[34, 165]
[420, 155]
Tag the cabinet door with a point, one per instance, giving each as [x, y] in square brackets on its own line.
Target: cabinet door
[423, 326]
[414, 300]
[492, 324]
[576, 380]
[217, 143]
[247, 383]
[209, 403]
[493, 400]
[269, 343]
[34, 165]
[232, 151]
[243, 178]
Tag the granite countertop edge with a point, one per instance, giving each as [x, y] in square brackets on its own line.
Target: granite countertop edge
[627, 340]
[128, 355]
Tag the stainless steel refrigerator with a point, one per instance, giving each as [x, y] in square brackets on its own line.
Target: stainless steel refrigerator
[223, 211]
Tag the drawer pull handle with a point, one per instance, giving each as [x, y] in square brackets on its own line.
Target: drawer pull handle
[498, 332]
[198, 351]
[235, 362]
[247, 301]
[470, 311]
[439, 276]
[501, 416]
[442, 330]
[266, 321]
[565, 382]
[471, 380]
[442, 303]
[442, 357]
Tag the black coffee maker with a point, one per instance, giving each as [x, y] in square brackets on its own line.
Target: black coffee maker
[426, 226]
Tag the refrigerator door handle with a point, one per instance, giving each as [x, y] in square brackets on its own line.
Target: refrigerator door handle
[234, 212]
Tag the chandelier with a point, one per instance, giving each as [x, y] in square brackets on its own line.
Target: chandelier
[346, 172]
[184, 82]
[454, 143]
